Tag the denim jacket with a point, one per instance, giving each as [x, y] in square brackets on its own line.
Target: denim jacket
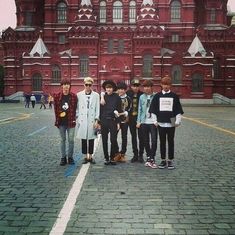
[142, 107]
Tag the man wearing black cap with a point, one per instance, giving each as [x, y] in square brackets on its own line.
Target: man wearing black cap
[65, 105]
[109, 120]
[134, 93]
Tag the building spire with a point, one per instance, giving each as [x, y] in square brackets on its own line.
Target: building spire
[148, 14]
[39, 48]
[86, 2]
[85, 15]
[147, 2]
[196, 47]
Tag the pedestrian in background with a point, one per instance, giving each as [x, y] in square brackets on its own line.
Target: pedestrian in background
[33, 100]
[43, 101]
[50, 101]
[27, 100]
[110, 123]
[147, 123]
[88, 112]
[167, 107]
[124, 117]
[65, 120]
[136, 138]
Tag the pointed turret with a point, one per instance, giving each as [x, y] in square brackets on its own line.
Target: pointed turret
[39, 48]
[148, 15]
[196, 47]
[85, 15]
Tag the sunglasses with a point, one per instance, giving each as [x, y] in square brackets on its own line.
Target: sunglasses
[88, 84]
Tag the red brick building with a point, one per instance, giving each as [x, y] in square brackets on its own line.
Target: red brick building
[192, 41]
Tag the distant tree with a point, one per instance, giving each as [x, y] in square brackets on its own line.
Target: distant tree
[1, 81]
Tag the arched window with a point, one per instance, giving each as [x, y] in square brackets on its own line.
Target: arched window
[197, 82]
[28, 18]
[175, 11]
[110, 45]
[120, 46]
[56, 74]
[61, 13]
[102, 12]
[117, 12]
[37, 82]
[176, 74]
[147, 65]
[216, 69]
[213, 16]
[132, 12]
[84, 66]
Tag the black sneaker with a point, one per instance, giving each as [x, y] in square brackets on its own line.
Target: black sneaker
[92, 161]
[162, 165]
[141, 159]
[106, 162]
[112, 162]
[134, 159]
[85, 161]
[170, 165]
[63, 161]
[71, 161]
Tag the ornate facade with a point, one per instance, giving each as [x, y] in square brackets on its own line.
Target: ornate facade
[191, 41]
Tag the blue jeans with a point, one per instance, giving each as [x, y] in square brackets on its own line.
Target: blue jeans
[70, 132]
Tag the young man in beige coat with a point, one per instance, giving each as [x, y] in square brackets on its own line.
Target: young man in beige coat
[88, 111]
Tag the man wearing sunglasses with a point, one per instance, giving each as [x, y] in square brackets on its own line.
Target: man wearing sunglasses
[88, 112]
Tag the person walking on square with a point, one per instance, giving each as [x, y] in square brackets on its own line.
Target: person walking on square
[134, 93]
[147, 123]
[27, 100]
[124, 117]
[65, 105]
[43, 101]
[110, 123]
[167, 107]
[88, 112]
[50, 101]
[33, 100]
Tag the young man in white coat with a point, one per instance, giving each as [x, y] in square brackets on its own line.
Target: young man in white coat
[88, 112]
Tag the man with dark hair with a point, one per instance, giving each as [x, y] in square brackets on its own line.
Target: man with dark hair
[147, 123]
[109, 120]
[134, 93]
[65, 105]
[124, 117]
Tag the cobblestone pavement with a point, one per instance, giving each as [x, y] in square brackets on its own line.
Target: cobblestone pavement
[198, 197]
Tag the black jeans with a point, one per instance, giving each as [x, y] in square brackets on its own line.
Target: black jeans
[109, 126]
[169, 133]
[132, 126]
[90, 146]
[149, 132]
[124, 128]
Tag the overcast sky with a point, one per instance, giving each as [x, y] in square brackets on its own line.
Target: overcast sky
[8, 17]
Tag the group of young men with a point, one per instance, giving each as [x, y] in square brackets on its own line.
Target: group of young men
[145, 113]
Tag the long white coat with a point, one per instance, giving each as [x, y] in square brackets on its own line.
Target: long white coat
[86, 117]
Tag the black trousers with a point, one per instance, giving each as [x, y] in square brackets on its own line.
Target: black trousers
[134, 131]
[109, 126]
[150, 136]
[90, 146]
[124, 129]
[169, 134]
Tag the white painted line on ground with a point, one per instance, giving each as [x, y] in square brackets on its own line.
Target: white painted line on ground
[7, 119]
[64, 216]
[37, 131]
[65, 213]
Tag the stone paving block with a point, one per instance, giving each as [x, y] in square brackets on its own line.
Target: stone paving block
[114, 231]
